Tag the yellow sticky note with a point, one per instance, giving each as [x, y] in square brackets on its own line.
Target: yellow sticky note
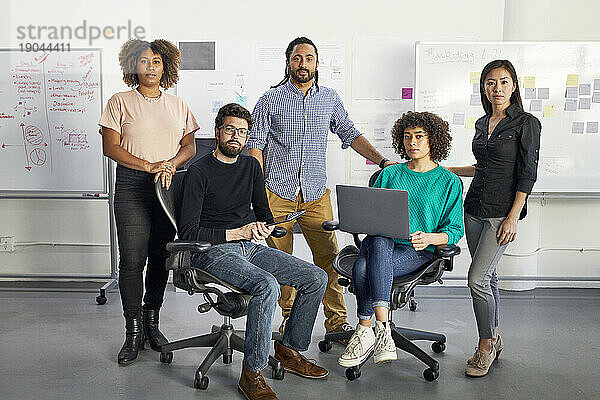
[549, 111]
[572, 80]
[474, 76]
[470, 122]
[529, 81]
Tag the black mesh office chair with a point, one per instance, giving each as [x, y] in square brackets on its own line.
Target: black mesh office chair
[402, 288]
[230, 304]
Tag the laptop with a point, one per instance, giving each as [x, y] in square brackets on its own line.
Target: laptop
[374, 211]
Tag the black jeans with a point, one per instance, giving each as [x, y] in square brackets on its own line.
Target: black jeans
[143, 231]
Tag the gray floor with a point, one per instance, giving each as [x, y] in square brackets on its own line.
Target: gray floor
[58, 345]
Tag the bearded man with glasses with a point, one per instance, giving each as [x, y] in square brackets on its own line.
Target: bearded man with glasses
[218, 191]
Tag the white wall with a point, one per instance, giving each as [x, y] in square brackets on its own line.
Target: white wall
[430, 20]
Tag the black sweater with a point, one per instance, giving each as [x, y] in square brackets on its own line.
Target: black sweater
[217, 196]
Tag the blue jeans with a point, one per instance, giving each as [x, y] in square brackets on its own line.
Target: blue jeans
[373, 274]
[259, 271]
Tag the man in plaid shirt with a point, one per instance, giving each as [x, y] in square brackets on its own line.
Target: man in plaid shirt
[289, 139]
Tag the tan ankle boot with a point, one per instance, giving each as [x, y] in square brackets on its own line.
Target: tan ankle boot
[480, 363]
[297, 364]
[253, 386]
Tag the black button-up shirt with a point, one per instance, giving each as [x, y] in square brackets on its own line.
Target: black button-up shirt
[507, 162]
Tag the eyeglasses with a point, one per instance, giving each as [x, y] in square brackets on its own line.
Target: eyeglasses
[231, 130]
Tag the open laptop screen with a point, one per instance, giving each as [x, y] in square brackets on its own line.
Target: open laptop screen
[373, 211]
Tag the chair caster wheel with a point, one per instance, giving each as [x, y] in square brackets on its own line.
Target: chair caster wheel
[201, 382]
[412, 305]
[438, 347]
[430, 375]
[325, 346]
[101, 299]
[166, 358]
[278, 374]
[353, 373]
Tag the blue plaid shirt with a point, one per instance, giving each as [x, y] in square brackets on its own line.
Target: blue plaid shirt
[291, 129]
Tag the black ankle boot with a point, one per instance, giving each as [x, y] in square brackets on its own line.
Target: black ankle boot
[134, 340]
[154, 336]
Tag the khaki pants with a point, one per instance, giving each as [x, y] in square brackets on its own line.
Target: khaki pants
[323, 246]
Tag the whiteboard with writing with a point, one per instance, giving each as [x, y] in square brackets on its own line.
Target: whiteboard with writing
[50, 104]
[559, 84]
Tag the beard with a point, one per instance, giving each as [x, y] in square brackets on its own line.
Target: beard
[302, 79]
[228, 150]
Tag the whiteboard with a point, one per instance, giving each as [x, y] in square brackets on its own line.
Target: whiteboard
[244, 71]
[50, 104]
[559, 84]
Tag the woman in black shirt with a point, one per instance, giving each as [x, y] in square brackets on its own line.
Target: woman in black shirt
[506, 147]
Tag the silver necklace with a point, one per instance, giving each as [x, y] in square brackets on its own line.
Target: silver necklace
[151, 99]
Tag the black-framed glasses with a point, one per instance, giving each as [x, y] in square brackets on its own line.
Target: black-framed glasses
[231, 130]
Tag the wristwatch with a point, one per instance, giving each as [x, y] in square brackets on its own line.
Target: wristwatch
[382, 162]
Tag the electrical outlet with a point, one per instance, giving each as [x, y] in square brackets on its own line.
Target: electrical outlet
[7, 243]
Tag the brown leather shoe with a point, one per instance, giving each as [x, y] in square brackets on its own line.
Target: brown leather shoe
[253, 386]
[297, 364]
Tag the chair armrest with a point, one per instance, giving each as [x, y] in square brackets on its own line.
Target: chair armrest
[188, 245]
[279, 232]
[331, 225]
[447, 251]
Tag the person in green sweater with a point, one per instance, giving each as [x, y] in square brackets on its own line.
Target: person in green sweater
[435, 218]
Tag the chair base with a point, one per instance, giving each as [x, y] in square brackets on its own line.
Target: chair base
[222, 340]
[403, 338]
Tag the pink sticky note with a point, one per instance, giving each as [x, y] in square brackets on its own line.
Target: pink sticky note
[407, 93]
[369, 162]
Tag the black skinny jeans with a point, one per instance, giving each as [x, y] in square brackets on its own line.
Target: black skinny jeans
[143, 231]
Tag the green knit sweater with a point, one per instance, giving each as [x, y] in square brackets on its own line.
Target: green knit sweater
[434, 200]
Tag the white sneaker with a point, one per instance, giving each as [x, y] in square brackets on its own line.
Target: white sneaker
[360, 346]
[385, 348]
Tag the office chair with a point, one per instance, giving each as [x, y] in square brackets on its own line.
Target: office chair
[230, 304]
[402, 288]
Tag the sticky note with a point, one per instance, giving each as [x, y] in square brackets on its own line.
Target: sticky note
[474, 77]
[529, 81]
[585, 89]
[577, 128]
[571, 93]
[543, 93]
[216, 105]
[572, 80]
[475, 100]
[592, 127]
[458, 119]
[470, 122]
[596, 97]
[529, 93]
[242, 101]
[571, 105]
[585, 103]
[596, 84]
[407, 93]
[549, 111]
[535, 105]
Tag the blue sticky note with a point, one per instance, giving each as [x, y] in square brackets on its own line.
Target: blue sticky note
[216, 105]
[242, 101]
